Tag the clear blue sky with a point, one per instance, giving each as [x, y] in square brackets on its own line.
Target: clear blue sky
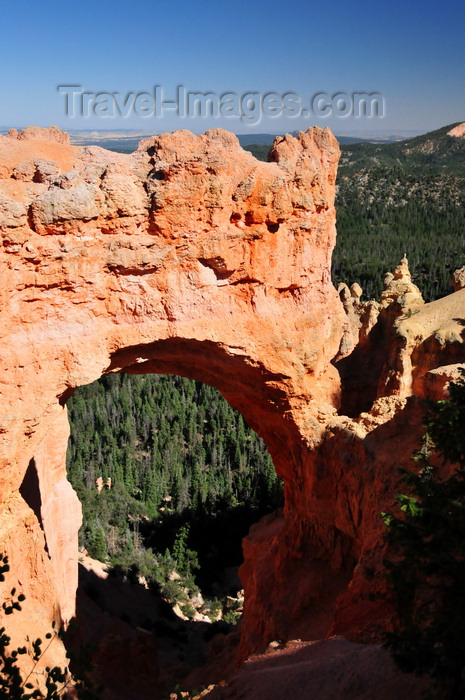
[412, 53]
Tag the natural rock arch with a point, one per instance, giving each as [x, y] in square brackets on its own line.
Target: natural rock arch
[191, 257]
[187, 257]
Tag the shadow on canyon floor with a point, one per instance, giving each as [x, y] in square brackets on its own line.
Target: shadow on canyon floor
[327, 669]
[137, 647]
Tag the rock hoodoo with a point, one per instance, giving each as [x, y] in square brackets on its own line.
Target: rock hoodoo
[190, 257]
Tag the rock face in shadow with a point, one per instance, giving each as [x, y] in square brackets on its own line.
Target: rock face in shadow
[327, 669]
[190, 257]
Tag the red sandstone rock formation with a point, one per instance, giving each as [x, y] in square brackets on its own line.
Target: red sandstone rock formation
[191, 257]
[188, 256]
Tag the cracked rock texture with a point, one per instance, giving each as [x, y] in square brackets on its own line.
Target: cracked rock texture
[190, 257]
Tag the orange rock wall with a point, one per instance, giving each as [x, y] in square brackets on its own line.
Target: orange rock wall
[191, 257]
[188, 256]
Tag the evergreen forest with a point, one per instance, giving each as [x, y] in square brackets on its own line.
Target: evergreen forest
[151, 454]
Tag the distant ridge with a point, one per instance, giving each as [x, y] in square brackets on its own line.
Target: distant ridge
[127, 140]
[457, 130]
[267, 139]
[256, 139]
[435, 151]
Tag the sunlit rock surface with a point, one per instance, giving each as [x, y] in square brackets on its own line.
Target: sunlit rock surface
[190, 257]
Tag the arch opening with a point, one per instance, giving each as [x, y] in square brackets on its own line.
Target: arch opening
[180, 478]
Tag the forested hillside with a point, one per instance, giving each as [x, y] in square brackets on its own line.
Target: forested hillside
[168, 451]
[406, 197]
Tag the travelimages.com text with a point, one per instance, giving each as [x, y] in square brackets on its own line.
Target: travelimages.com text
[249, 107]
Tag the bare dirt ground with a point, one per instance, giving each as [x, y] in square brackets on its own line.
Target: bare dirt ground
[330, 669]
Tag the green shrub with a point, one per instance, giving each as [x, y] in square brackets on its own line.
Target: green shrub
[57, 681]
[427, 567]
